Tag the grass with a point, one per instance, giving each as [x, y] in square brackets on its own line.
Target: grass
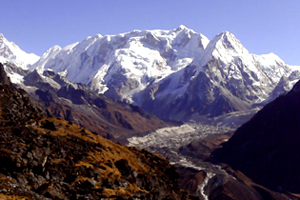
[102, 158]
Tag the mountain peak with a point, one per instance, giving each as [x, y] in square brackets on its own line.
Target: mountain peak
[56, 47]
[4, 41]
[182, 27]
[53, 49]
[226, 33]
[225, 36]
[1, 36]
[224, 46]
[97, 36]
[10, 52]
[227, 42]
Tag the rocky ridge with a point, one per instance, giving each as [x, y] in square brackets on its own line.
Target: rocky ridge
[81, 105]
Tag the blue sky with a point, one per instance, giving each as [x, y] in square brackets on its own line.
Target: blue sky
[262, 26]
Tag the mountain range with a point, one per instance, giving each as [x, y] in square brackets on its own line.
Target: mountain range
[174, 74]
[50, 158]
[101, 83]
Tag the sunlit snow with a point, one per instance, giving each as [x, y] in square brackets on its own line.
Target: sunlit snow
[10, 52]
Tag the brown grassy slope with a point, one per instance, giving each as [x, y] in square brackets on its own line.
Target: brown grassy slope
[56, 159]
[115, 119]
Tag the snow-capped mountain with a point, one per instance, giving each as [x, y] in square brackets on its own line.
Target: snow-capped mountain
[10, 52]
[284, 85]
[225, 78]
[176, 74]
[122, 65]
[173, 74]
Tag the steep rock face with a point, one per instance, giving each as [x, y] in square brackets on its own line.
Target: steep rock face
[195, 93]
[177, 74]
[266, 148]
[49, 158]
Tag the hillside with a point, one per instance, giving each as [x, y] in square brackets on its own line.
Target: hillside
[267, 147]
[50, 158]
[79, 104]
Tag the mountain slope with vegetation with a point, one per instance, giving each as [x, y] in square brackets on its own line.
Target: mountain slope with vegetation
[50, 158]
